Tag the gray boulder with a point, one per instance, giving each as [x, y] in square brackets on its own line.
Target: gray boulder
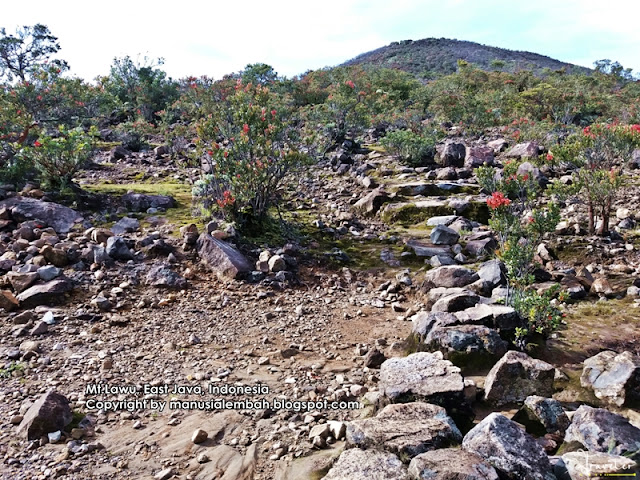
[614, 378]
[356, 464]
[222, 258]
[443, 235]
[493, 271]
[451, 464]
[453, 154]
[467, 343]
[117, 249]
[491, 315]
[125, 225]
[524, 150]
[60, 218]
[140, 202]
[517, 376]
[49, 413]
[372, 202]
[162, 276]
[423, 322]
[421, 377]
[456, 302]
[512, 452]
[451, 276]
[478, 156]
[599, 430]
[49, 293]
[542, 415]
[405, 429]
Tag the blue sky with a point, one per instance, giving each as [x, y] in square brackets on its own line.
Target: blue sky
[213, 38]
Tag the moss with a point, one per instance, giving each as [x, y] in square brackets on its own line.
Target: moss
[410, 213]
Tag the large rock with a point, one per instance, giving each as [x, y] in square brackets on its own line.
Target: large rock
[467, 344]
[60, 218]
[8, 301]
[125, 225]
[514, 453]
[516, 376]
[451, 276]
[524, 150]
[356, 464]
[478, 156]
[451, 464]
[423, 322]
[372, 202]
[421, 377]
[49, 293]
[494, 272]
[49, 413]
[599, 430]
[22, 281]
[406, 429]
[140, 202]
[542, 415]
[162, 276]
[443, 235]
[221, 257]
[453, 154]
[491, 315]
[456, 302]
[117, 249]
[614, 378]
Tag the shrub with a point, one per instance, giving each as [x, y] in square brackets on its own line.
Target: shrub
[252, 146]
[414, 149]
[58, 158]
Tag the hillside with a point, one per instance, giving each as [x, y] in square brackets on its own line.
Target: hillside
[430, 56]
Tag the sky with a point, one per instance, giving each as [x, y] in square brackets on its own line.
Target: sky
[215, 38]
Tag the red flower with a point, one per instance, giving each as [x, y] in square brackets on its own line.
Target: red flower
[37, 144]
[497, 200]
[226, 154]
[350, 83]
[549, 156]
[273, 114]
[245, 128]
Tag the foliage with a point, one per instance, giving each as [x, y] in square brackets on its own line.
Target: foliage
[542, 313]
[596, 155]
[252, 144]
[27, 51]
[414, 149]
[259, 74]
[57, 158]
[141, 87]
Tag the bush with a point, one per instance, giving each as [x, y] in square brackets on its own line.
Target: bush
[414, 149]
[58, 158]
[252, 145]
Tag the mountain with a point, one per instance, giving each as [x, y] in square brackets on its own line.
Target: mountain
[433, 56]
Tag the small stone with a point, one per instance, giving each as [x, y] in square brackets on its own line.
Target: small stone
[199, 436]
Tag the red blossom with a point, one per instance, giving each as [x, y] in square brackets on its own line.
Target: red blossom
[37, 144]
[497, 200]
[349, 83]
[245, 128]
[549, 156]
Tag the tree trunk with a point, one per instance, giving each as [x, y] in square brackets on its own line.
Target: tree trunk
[591, 220]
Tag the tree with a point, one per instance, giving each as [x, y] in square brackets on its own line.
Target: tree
[259, 73]
[29, 48]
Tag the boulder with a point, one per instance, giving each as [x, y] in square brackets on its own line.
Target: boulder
[48, 272]
[49, 413]
[513, 453]
[117, 249]
[60, 218]
[542, 415]
[599, 430]
[493, 271]
[455, 302]
[356, 464]
[451, 276]
[118, 153]
[8, 301]
[372, 202]
[421, 377]
[125, 225]
[55, 256]
[49, 293]
[516, 376]
[162, 276]
[423, 322]
[524, 150]
[453, 154]
[451, 464]
[21, 281]
[479, 156]
[221, 257]
[467, 344]
[140, 202]
[491, 315]
[614, 378]
[441, 220]
[443, 235]
[405, 429]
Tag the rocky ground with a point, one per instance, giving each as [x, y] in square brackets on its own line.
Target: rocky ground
[384, 300]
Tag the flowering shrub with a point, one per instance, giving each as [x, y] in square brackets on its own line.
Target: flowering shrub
[251, 145]
[58, 158]
[597, 155]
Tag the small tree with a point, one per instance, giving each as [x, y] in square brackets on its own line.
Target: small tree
[29, 48]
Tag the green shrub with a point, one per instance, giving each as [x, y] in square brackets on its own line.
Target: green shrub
[413, 149]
